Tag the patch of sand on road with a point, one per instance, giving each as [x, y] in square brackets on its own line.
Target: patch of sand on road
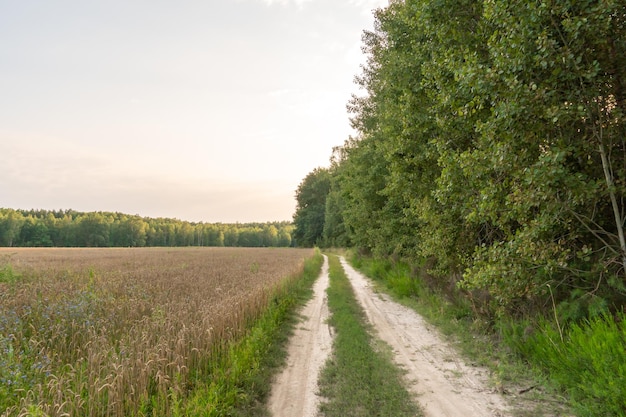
[443, 384]
[294, 391]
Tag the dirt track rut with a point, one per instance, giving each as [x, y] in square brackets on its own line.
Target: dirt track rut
[443, 384]
[294, 392]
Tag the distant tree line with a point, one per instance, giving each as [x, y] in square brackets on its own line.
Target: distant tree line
[491, 153]
[70, 228]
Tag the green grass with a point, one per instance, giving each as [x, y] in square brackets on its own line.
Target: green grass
[8, 275]
[241, 378]
[360, 378]
[585, 360]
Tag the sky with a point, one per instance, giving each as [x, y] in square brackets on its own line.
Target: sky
[200, 110]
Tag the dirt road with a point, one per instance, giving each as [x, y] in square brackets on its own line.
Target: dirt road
[294, 392]
[443, 385]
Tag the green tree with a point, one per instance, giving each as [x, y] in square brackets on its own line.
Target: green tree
[128, 231]
[310, 207]
[92, 230]
[231, 236]
[491, 142]
[547, 170]
[270, 235]
[250, 237]
[214, 236]
[335, 233]
[11, 223]
[34, 232]
[284, 235]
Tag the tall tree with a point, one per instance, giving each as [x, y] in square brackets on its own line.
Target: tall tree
[310, 207]
[92, 230]
[539, 167]
[491, 139]
[11, 223]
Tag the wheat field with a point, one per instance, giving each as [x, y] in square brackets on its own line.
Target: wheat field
[120, 332]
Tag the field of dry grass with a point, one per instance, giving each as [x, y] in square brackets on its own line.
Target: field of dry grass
[121, 332]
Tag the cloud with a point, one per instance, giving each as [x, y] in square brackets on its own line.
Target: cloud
[298, 3]
[370, 3]
[282, 92]
[367, 6]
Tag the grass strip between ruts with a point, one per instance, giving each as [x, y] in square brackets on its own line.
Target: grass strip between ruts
[360, 379]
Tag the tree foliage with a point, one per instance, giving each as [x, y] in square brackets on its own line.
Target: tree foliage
[311, 206]
[491, 147]
[103, 229]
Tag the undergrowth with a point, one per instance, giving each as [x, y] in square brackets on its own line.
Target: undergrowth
[586, 360]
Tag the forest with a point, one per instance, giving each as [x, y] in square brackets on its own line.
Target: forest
[69, 228]
[490, 154]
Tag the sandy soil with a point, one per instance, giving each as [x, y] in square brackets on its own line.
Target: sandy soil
[294, 391]
[443, 384]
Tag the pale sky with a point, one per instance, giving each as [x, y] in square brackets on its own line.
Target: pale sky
[202, 110]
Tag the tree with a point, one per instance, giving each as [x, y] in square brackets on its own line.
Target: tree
[270, 235]
[231, 236]
[284, 236]
[11, 223]
[71, 228]
[92, 230]
[250, 237]
[538, 171]
[129, 231]
[491, 142]
[310, 208]
[34, 232]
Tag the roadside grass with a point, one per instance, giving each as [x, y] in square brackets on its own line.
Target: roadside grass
[241, 378]
[587, 360]
[360, 379]
[530, 390]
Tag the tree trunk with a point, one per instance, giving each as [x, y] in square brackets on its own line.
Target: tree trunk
[616, 212]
